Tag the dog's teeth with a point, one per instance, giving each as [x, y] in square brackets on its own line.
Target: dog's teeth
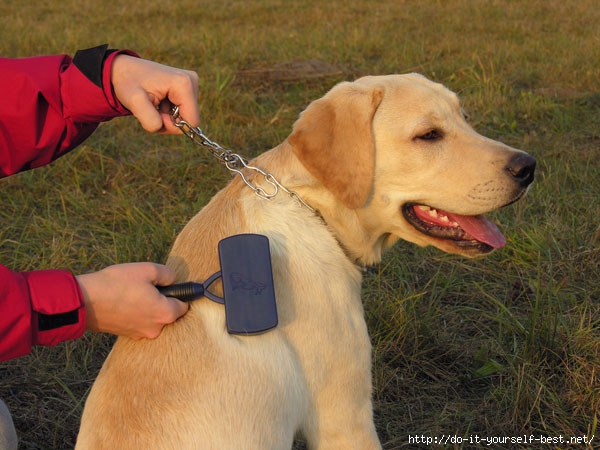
[423, 208]
[444, 219]
[433, 213]
[455, 224]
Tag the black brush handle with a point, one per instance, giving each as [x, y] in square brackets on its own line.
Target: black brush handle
[186, 292]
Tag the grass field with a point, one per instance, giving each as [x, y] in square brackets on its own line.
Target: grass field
[508, 345]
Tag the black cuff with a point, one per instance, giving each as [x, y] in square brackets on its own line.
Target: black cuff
[50, 322]
[90, 62]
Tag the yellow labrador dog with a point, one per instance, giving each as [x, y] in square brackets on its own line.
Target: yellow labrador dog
[379, 159]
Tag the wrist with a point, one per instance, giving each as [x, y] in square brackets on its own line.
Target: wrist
[113, 59]
[95, 64]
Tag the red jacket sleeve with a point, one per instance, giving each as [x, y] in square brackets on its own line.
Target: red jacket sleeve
[44, 307]
[50, 104]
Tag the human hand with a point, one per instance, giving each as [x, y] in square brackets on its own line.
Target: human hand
[148, 90]
[123, 300]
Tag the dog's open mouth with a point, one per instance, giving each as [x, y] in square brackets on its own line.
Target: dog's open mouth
[466, 231]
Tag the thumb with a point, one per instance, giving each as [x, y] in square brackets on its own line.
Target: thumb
[163, 275]
[142, 107]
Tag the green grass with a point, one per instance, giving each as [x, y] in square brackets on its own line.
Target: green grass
[503, 346]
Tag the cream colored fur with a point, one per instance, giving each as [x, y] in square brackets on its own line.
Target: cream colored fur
[354, 156]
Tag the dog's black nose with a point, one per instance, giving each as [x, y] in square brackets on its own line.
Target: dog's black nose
[522, 168]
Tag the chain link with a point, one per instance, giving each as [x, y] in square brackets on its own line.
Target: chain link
[234, 162]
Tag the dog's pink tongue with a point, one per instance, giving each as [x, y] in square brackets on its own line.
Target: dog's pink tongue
[481, 229]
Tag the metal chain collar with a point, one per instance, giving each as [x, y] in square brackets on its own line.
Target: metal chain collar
[234, 162]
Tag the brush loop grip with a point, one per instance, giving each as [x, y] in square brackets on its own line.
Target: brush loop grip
[186, 292]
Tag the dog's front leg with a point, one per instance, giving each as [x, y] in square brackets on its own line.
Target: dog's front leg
[341, 416]
[343, 429]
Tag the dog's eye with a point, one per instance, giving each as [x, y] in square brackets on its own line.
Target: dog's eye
[432, 135]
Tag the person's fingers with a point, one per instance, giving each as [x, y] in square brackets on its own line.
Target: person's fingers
[176, 309]
[184, 93]
[147, 89]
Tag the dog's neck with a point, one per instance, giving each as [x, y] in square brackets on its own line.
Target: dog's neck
[343, 248]
[339, 221]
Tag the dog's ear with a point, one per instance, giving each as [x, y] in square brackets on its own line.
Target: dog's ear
[333, 138]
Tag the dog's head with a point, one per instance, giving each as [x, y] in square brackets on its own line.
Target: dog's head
[400, 158]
